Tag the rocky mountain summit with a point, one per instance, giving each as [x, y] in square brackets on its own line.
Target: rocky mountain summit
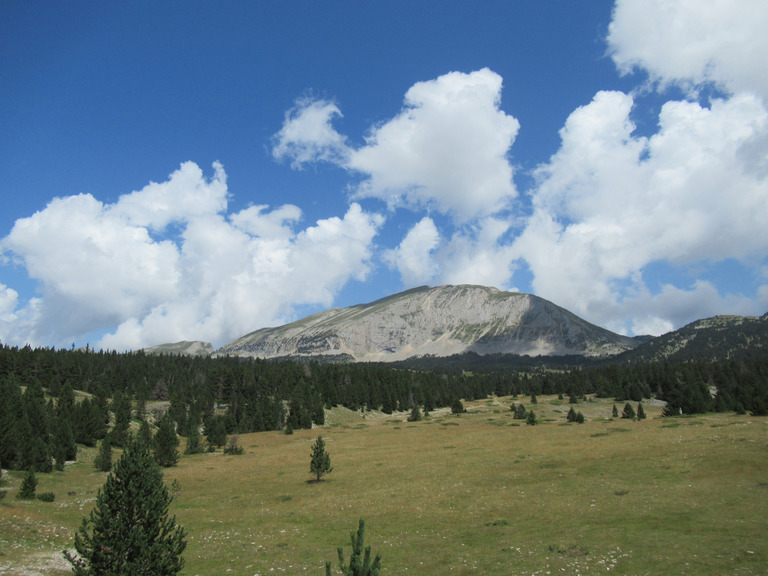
[439, 321]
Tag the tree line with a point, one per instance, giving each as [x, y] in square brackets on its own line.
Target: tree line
[51, 400]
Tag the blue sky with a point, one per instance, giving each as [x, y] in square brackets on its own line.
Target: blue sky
[198, 171]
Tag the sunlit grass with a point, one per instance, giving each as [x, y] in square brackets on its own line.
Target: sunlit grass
[478, 493]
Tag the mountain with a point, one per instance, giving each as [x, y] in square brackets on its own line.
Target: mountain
[185, 347]
[440, 321]
[710, 339]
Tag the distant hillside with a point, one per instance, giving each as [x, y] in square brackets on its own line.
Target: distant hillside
[710, 339]
[438, 322]
[185, 347]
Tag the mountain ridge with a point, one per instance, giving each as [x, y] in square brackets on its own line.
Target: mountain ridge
[438, 321]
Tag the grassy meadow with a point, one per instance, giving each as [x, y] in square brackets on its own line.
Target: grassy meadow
[478, 493]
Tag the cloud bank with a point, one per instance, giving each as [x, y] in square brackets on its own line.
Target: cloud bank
[166, 263]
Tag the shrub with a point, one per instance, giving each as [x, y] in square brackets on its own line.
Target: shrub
[531, 418]
[457, 407]
[46, 496]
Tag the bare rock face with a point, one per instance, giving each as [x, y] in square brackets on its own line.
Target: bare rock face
[434, 321]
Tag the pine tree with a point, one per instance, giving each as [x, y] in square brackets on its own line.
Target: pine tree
[103, 460]
[121, 406]
[520, 413]
[215, 432]
[531, 418]
[166, 442]
[415, 415]
[194, 442]
[321, 460]
[628, 412]
[640, 411]
[571, 415]
[615, 412]
[28, 486]
[457, 407]
[129, 531]
[360, 560]
[534, 400]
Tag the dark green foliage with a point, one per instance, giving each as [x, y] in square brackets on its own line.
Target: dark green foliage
[130, 531]
[216, 432]
[531, 418]
[520, 413]
[575, 416]
[415, 414]
[534, 400]
[121, 406]
[457, 407]
[233, 447]
[28, 486]
[615, 412]
[360, 563]
[628, 412]
[165, 442]
[320, 463]
[46, 496]
[194, 442]
[571, 415]
[640, 411]
[103, 460]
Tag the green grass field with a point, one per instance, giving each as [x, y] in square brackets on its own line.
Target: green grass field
[479, 493]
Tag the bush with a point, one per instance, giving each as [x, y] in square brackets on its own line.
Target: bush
[457, 407]
[531, 418]
[46, 496]
[628, 412]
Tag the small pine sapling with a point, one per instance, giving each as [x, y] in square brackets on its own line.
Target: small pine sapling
[321, 460]
[640, 411]
[531, 418]
[628, 412]
[360, 560]
[615, 412]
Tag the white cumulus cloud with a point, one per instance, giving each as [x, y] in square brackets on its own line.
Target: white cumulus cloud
[101, 266]
[446, 150]
[690, 42]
